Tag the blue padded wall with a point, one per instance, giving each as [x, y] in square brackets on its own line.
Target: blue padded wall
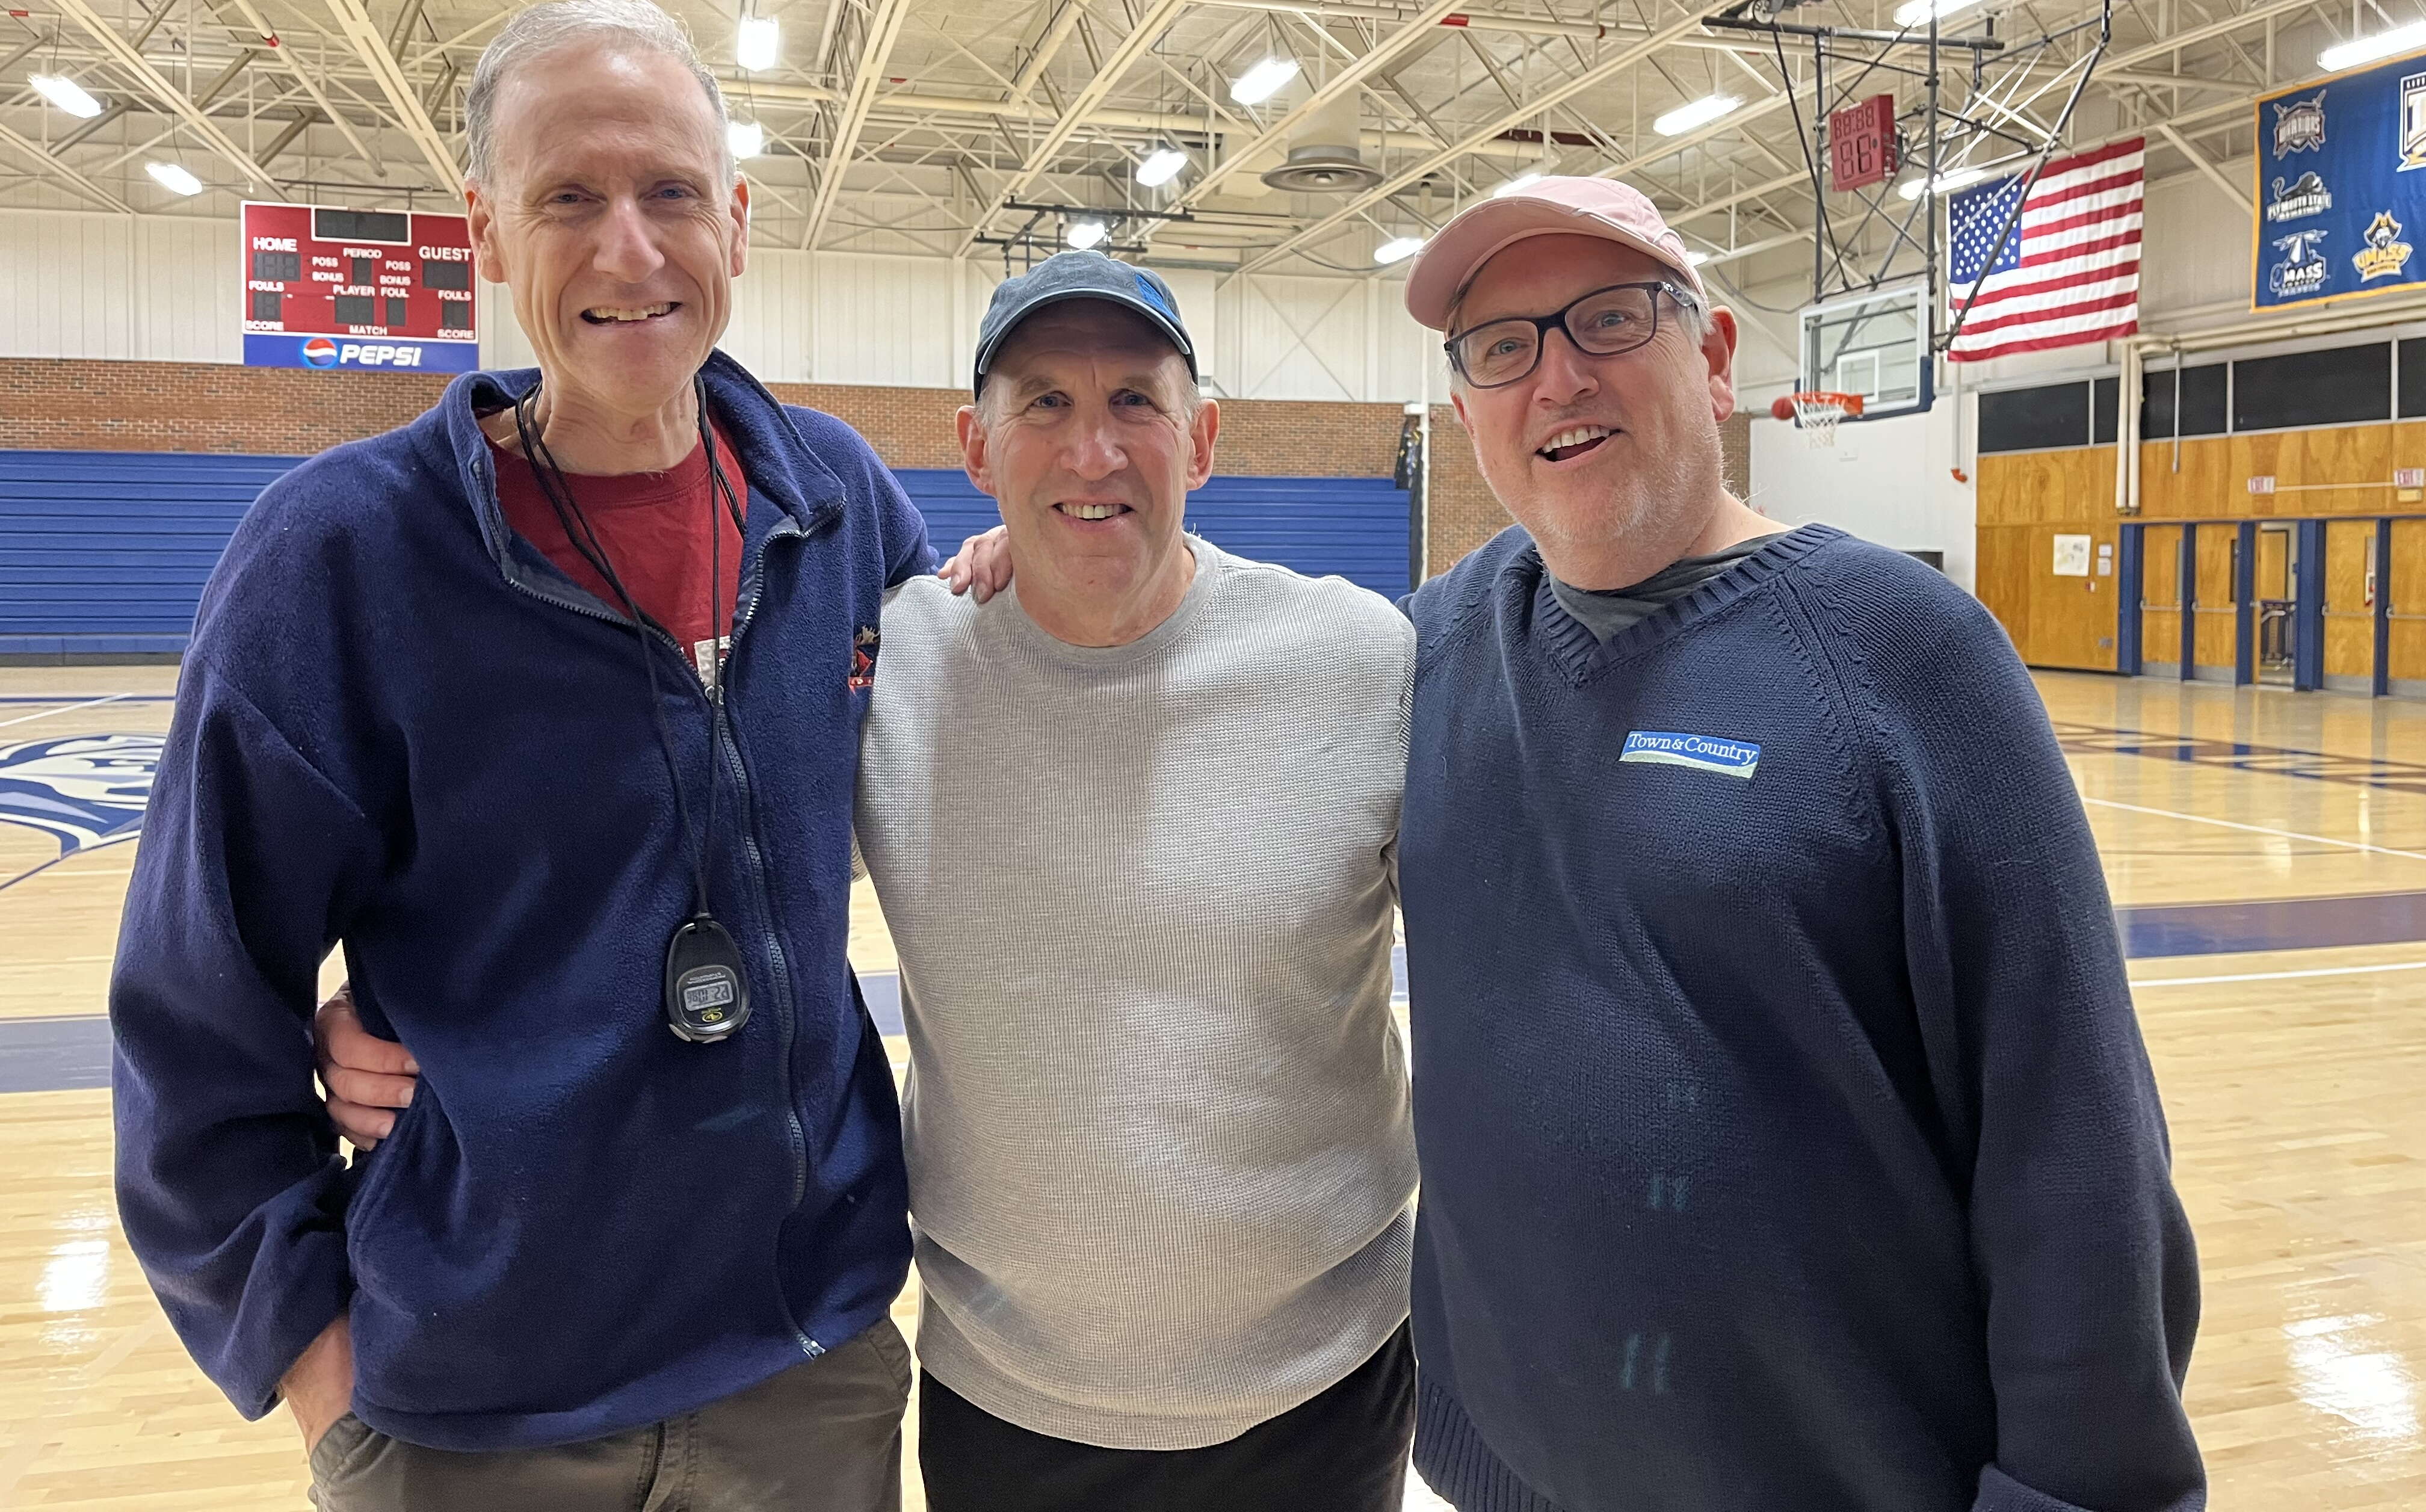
[105, 553]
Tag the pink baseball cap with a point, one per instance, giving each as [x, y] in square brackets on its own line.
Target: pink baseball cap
[1545, 207]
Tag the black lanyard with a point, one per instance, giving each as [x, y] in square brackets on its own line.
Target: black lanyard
[707, 993]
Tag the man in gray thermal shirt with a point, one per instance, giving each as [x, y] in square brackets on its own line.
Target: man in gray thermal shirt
[1131, 822]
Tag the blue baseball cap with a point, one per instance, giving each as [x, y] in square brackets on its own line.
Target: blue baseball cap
[1080, 276]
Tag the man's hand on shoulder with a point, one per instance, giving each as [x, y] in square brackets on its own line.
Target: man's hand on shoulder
[982, 566]
[319, 1387]
[367, 1078]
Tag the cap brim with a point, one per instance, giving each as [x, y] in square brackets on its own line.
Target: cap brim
[1445, 267]
[1126, 301]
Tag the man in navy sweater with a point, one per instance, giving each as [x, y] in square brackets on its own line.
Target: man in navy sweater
[546, 708]
[1786, 1136]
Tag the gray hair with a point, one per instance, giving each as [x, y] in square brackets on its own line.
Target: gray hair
[548, 29]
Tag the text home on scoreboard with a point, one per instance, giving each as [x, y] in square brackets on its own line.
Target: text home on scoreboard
[329, 287]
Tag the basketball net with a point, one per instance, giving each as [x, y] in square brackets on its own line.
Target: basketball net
[1817, 411]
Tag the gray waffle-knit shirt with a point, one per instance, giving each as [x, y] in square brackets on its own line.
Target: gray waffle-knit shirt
[1160, 1152]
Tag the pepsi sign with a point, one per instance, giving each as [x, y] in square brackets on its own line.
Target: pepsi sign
[262, 351]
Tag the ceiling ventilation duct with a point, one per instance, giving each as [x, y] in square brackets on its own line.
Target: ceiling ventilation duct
[1323, 157]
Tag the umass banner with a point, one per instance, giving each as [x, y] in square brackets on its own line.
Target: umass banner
[2341, 187]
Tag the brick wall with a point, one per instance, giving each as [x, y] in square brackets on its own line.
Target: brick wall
[1464, 514]
[71, 405]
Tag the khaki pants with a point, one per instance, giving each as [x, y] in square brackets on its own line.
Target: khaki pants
[823, 1437]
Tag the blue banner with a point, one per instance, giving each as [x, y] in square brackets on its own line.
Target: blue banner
[2341, 187]
[265, 350]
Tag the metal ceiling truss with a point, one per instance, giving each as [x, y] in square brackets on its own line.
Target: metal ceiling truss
[922, 126]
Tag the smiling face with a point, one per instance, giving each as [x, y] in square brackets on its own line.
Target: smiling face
[1085, 437]
[611, 218]
[1595, 454]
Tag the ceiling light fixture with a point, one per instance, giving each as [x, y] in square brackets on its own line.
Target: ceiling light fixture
[1916, 12]
[1942, 183]
[1397, 249]
[1162, 166]
[65, 94]
[760, 44]
[1701, 112]
[2367, 49]
[1263, 81]
[173, 179]
[1083, 234]
[747, 139]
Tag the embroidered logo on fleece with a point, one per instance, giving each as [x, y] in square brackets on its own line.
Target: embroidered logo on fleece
[862, 658]
[1704, 753]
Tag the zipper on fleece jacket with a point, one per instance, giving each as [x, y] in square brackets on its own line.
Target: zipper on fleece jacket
[797, 1138]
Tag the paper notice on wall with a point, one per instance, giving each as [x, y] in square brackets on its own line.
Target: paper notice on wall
[2072, 556]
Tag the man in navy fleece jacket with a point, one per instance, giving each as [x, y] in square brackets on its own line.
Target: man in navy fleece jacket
[592, 1258]
[1786, 1136]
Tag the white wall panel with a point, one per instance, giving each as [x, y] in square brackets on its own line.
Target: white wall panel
[1889, 481]
[1293, 338]
[67, 280]
[883, 320]
[167, 289]
[188, 306]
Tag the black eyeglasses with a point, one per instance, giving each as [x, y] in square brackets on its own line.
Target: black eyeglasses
[1603, 323]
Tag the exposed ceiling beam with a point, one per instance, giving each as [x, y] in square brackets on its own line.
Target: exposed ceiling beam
[135, 65]
[371, 47]
[83, 185]
[260, 27]
[1148, 30]
[1608, 67]
[876, 36]
[2205, 165]
[1046, 47]
[1420, 28]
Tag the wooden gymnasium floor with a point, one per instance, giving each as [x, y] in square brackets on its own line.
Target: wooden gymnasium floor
[2268, 852]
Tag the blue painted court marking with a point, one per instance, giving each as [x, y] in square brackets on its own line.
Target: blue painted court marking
[2315, 765]
[54, 1054]
[58, 1054]
[2272, 923]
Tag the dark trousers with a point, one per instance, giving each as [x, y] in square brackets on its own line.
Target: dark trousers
[1344, 1451]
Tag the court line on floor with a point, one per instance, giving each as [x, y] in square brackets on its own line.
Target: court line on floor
[70, 697]
[91, 703]
[66, 856]
[2139, 982]
[2255, 829]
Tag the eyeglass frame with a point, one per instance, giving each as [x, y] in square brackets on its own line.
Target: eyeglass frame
[1543, 325]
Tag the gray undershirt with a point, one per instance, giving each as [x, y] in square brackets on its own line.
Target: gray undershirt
[1607, 611]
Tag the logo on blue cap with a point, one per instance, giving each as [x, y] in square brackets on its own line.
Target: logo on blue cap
[1153, 296]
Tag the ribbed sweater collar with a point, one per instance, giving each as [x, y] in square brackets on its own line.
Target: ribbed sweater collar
[1581, 657]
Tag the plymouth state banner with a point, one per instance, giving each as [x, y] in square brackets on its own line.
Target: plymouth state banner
[2341, 186]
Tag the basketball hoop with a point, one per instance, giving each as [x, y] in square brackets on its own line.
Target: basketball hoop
[1815, 411]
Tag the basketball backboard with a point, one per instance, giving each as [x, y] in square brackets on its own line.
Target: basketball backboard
[1875, 345]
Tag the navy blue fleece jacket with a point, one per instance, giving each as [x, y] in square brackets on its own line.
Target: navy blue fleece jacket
[402, 732]
[1788, 1139]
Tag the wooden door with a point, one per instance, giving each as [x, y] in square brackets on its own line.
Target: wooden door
[2349, 608]
[2219, 554]
[2073, 619]
[2160, 596]
[2407, 589]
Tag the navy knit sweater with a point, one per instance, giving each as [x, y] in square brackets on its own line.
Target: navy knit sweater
[1788, 1137]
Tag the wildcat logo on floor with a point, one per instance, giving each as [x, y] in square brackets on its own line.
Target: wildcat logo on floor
[86, 790]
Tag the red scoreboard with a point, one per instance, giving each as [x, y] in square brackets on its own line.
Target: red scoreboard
[329, 287]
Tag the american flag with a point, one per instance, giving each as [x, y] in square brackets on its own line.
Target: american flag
[2070, 269]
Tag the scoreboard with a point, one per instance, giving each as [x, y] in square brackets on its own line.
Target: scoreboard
[329, 287]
